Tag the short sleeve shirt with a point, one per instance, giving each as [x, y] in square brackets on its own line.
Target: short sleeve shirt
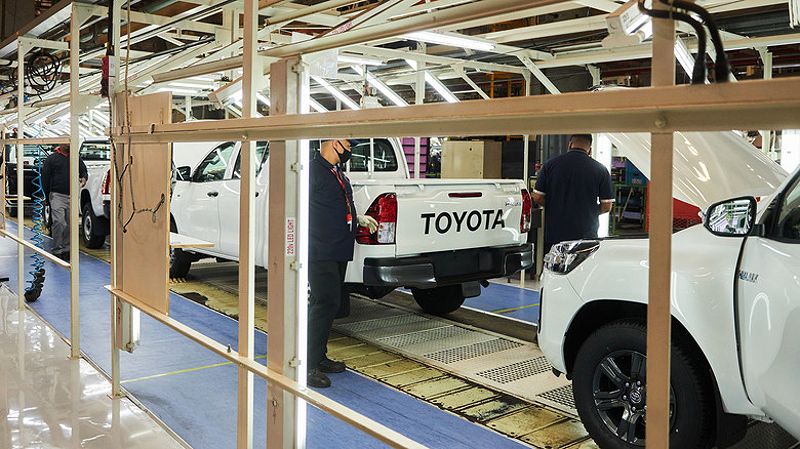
[573, 184]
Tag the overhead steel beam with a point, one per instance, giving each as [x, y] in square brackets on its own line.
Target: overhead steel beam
[540, 75]
[747, 105]
[399, 27]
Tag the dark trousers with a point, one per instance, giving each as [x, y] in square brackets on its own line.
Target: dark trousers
[324, 303]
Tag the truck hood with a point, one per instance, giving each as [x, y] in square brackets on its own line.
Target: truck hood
[708, 166]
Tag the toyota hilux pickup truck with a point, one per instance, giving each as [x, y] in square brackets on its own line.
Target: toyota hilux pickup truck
[735, 304]
[96, 194]
[440, 238]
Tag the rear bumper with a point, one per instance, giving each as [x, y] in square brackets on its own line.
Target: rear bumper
[447, 268]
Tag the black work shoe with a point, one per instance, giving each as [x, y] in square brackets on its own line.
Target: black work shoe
[318, 379]
[331, 366]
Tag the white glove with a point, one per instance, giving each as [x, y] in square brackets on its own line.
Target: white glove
[368, 222]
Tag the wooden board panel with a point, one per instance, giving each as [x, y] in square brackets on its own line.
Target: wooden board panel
[142, 253]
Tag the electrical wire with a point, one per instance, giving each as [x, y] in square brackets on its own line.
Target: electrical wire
[34, 290]
[42, 72]
[722, 69]
[699, 71]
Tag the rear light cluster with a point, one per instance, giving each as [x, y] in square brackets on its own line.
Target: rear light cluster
[384, 211]
[527, 210]
[106, 190]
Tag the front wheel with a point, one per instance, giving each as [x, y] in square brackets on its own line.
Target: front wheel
[179, 261]
[610, 389]
[88, 225]
[439, 300]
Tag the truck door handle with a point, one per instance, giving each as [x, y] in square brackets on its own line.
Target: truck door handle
[212, 194]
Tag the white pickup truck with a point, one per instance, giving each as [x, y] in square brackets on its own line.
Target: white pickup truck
[440, 238]
[735, 304]
[96, 194]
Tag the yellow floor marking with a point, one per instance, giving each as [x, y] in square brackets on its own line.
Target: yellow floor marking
[514, 309]
[183, 371]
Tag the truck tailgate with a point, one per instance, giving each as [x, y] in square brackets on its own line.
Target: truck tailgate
[443, 215]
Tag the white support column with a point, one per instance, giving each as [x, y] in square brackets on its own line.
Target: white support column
[288, 259]
[113, 90]
[22, 48]
[187, 111]
[419, 99]
[247, 264]
[525, 174]
[766, 135]
[74, 186]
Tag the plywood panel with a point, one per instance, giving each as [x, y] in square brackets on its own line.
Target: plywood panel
[471, 159]
[142, 253]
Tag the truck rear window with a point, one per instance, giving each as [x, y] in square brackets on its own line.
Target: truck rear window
[384, 159]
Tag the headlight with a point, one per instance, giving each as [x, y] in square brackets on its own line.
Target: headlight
[564, 257]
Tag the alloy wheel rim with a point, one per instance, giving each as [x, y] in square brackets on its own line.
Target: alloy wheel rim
[619, 392]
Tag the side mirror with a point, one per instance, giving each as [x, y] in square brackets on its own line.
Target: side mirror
[731, 218]
[184, 173]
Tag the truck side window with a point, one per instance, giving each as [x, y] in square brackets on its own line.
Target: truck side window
[262, 153]
[788, 223]
[214, 165]
[385, 159]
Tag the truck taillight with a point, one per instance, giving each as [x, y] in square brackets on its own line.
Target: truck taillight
[527, 207]
[384, 211]
[106, 190]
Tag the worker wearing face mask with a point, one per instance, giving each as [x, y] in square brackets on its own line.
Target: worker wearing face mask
[332, 228]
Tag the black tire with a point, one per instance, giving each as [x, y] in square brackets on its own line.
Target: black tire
[88, 225]
[179, 260]
[619, 348]
[439, 300]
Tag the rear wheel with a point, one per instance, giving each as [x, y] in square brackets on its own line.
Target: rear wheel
[439, 300]
[610, 389]
[88, 226]
[179, 261]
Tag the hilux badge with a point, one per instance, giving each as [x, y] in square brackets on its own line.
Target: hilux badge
[748, 277]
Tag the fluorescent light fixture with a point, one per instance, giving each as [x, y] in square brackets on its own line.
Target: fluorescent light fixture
[177, 90]
[439, 87]
[336, 93]
[452, 40]
[435, 83]
[263, 98]
[315, 105]
[361, 60]
[382, 87]
[790, 149]
[198, 85]
[684, 57]
[627, 26]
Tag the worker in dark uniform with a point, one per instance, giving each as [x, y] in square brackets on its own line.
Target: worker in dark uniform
[55, 183]
[332, 230]
[574, 190]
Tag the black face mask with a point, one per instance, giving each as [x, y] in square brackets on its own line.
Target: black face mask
[344, 156]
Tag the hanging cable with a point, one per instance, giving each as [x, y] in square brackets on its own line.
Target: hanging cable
[699, 71]
[722, 69]
[42, 72]
[37, 265]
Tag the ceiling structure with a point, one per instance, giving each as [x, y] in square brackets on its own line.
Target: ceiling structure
[193, 48]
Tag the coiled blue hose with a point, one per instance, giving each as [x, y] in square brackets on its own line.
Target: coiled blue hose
[37, 265]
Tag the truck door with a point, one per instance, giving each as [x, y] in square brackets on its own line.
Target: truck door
[202, 205]
[229, 202]
[768, 287]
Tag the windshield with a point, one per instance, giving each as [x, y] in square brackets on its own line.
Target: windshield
[96, 151]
